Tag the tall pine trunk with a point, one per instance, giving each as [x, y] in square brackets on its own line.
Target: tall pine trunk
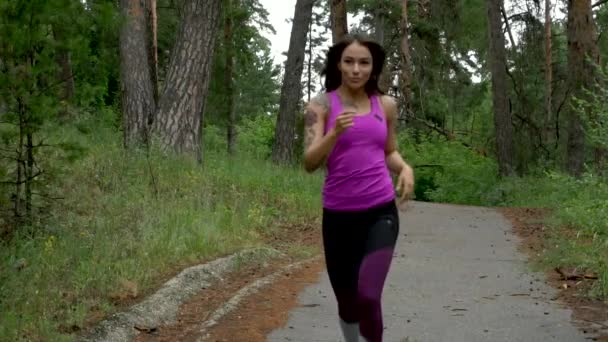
[309, 64]
[137, 91]
[64, 59]
[153, 45]
[228, 72]
[379, 33]
[406, 66]
[498, 66]
[180, 111]
[581, 74]
[338, 18]
[548, 75]
[283, 148]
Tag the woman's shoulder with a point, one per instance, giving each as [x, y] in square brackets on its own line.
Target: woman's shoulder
[321, 102]
[389, 104]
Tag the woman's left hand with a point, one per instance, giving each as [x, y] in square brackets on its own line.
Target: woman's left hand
[405, 183]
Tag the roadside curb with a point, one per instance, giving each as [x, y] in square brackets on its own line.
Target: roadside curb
[162, 307]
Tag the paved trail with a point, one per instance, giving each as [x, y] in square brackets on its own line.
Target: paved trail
[456, 277]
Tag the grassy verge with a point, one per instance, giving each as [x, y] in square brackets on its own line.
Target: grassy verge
[128, 220]
[578, 235]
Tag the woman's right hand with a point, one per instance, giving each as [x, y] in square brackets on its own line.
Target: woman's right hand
[343, 122]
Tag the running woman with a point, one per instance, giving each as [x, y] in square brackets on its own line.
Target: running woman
[352, 128]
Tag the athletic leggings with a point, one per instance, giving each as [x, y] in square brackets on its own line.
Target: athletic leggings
[358, 252]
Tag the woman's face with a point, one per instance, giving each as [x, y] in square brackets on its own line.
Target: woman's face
[355, 65]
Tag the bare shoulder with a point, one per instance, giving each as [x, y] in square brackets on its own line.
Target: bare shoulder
[389, 104]
[320, 102]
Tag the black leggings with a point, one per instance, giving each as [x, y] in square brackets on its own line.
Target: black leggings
[358, 253]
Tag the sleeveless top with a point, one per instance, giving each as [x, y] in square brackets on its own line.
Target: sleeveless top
[357, 175]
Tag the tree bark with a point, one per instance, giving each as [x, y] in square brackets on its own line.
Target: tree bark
[64, 59]
[581, 74]
[180, 112]
[406, 65]
[20, 161]
[339, 23]
[309, 65]
[380, 33]
[153, 45]
[548, 75]
[283, 148]
[498, 66]
[29, 172]
[137, 93]
[228, 82]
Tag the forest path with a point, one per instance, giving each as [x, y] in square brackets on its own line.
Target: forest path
[457, 276]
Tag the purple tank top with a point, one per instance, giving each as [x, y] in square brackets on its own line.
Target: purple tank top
[357, 175]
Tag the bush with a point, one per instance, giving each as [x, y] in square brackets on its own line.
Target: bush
[447, 171]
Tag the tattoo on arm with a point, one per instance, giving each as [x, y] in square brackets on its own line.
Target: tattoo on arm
[310, 119]
[321, 100]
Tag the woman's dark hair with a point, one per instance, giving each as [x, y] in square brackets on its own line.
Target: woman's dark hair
[333, 75]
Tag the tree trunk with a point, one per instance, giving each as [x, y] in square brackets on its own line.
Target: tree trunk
[153, 45]
[64, 76]
[20, 161]
[502, 115]
[282, 151]
[339, 23]
[65, 61]
[180, 112]
[228, 72]
[309, 65]
[137, 93]
[406, 65]
[29, 173]
[379, 30]
[581, 45]
[548, 75]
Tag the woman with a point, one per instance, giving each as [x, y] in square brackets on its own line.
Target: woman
[352, 128]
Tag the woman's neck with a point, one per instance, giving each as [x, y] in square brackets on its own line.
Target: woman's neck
[353, 94]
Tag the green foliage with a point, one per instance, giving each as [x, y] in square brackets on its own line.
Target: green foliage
[256, 135]
[168, 211]
[449, 171]
[601, 21]
[578, 223]
[256, 83]
[593, 109]
[30, 83]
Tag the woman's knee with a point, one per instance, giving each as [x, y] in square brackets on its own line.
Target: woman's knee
[368, 300]
[347, 305]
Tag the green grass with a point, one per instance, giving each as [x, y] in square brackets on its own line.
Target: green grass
[126, 221]
[578, 235]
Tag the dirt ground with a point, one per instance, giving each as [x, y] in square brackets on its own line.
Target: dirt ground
[589, 315]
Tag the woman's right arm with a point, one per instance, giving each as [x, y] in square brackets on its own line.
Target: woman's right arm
[317, 145]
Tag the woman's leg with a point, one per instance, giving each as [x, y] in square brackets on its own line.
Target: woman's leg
[381, 239]
[344, 245]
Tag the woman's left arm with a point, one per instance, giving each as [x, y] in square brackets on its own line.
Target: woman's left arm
[394, 160]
